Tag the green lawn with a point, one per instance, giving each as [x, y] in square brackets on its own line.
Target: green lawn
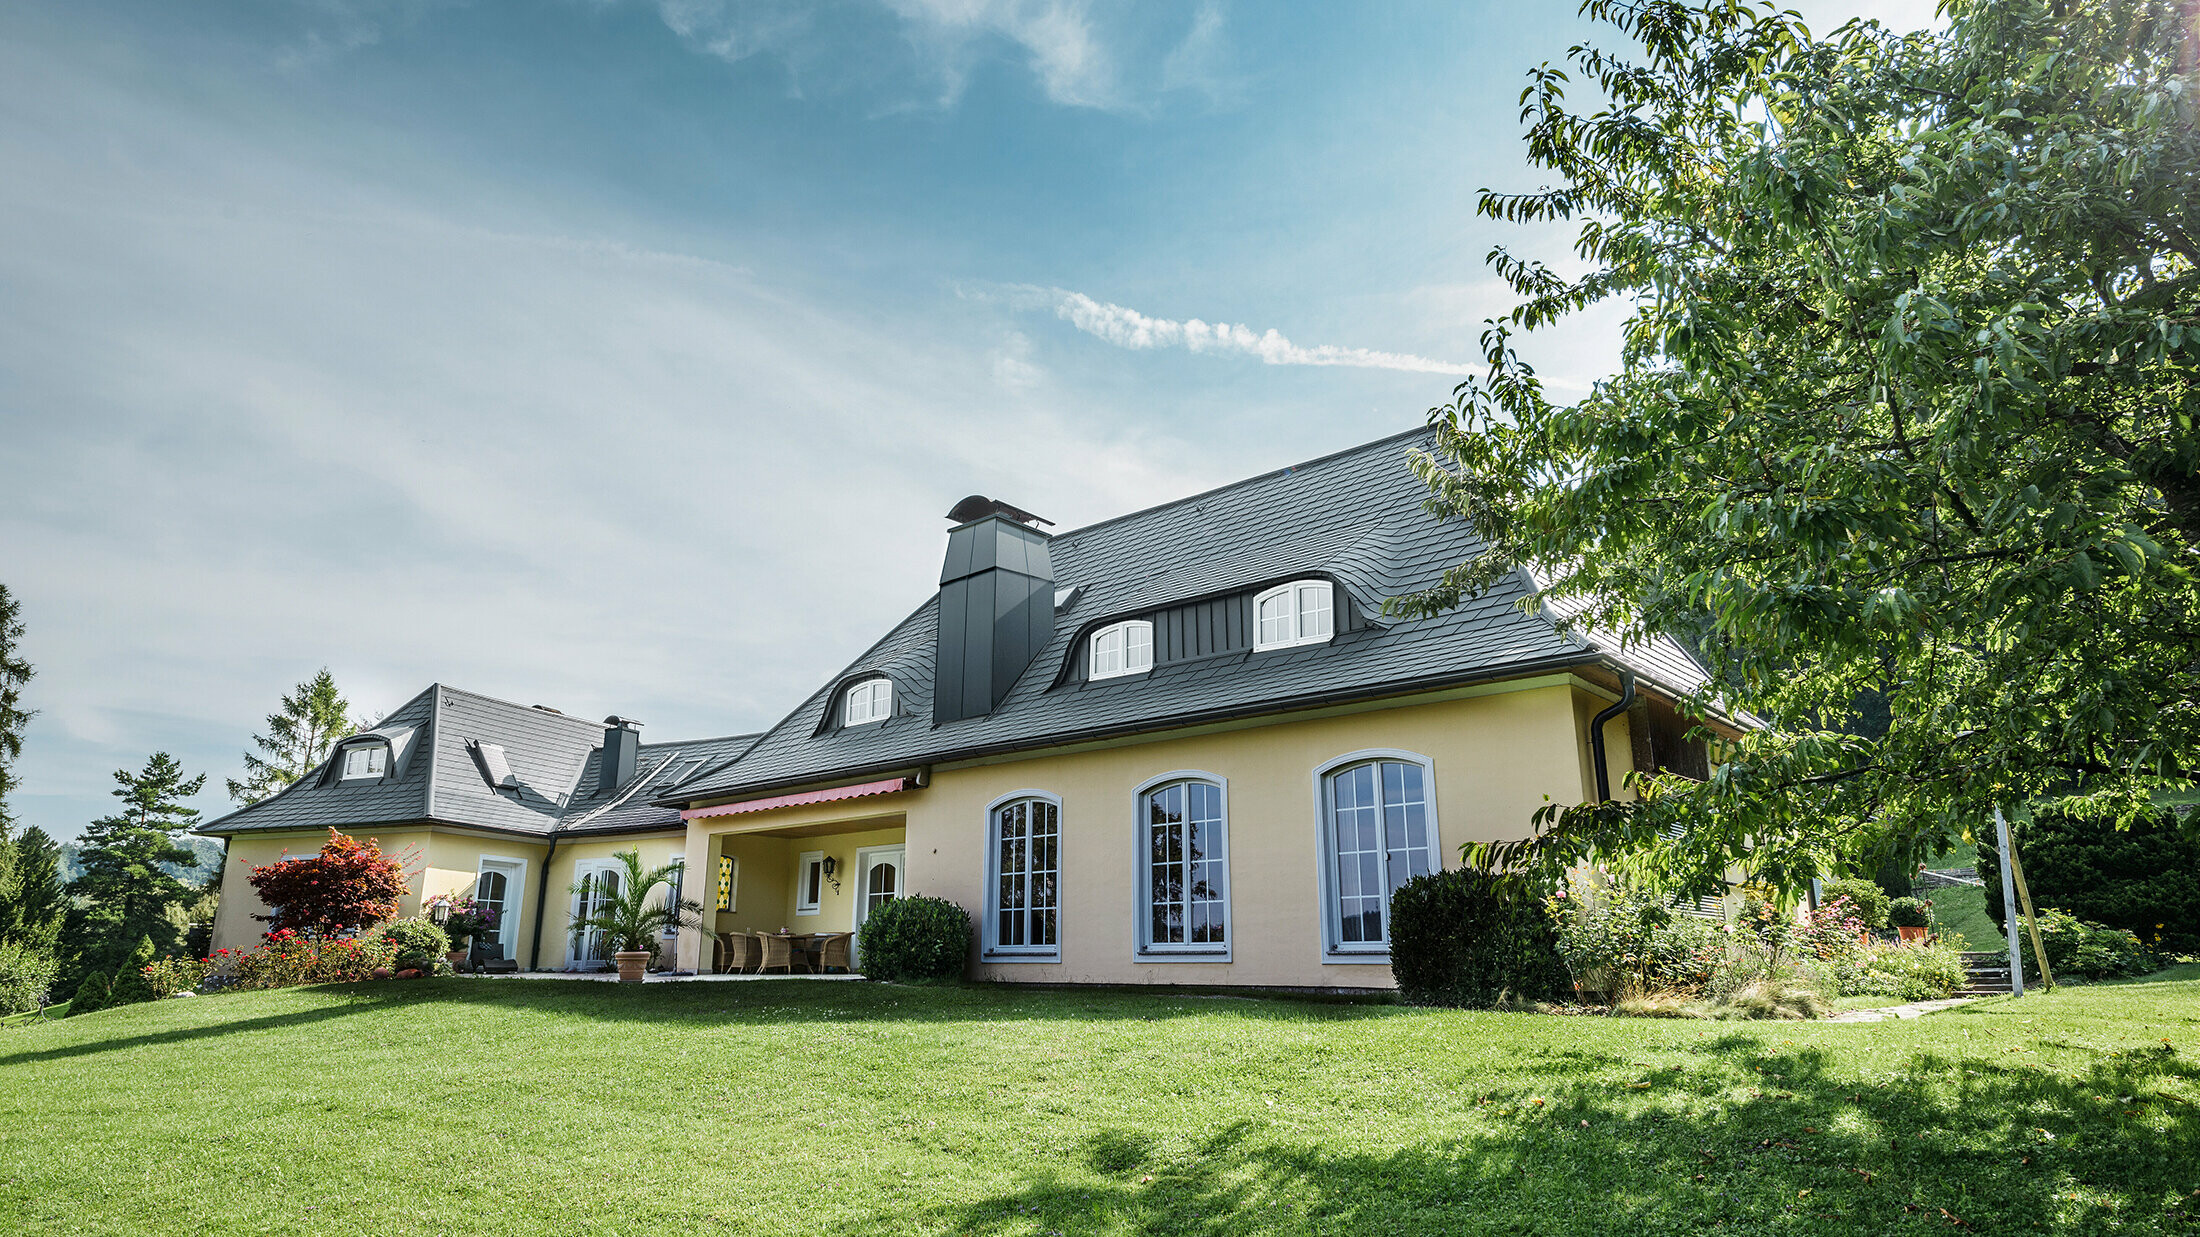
[466, 1106]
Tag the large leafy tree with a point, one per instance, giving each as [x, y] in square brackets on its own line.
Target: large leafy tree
[15, 674]
[1905, 435]
[299, 734]
[348, 885]
[127, 890]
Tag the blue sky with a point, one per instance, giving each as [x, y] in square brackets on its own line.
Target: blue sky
[622, 356]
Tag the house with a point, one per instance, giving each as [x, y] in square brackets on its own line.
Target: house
[511, 804]
[1183, 745]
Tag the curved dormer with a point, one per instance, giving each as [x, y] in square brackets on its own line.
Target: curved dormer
[866, 698]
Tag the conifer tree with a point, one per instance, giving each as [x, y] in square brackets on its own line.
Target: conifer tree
[126, 890]
[32, 900]
[299, 734]
[14, 674]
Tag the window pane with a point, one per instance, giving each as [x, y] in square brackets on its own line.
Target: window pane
[1313, 611]
[1138, 646]
[1275, 618]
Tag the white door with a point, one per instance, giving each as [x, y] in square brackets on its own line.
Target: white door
[497, 888]
[598, 889]
[881, 874]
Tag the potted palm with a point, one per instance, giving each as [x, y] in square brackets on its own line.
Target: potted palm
[630, 919]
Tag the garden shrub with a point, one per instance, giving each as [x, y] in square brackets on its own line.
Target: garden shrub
[916, 938]
[2144, 879]
[91, 993]
[1927, 971]
[343, 888]
[1473, 940]
[169, 976]
[1783, 999]
[417, 942]
[128, 986]
[1621, 945]
[286, 958]
[1867, 901]
[1909, 913]
[2080, 950]
[26, 975]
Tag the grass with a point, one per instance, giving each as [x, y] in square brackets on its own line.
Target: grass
[1963, 911]
[508, 1107]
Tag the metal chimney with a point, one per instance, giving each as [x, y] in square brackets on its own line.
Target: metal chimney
[996, 606]
[622, 749]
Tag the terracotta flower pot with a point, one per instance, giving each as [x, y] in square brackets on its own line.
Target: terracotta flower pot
[456, 957]
[631, 963]
[1911, 936]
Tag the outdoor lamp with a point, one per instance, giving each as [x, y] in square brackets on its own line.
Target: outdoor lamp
[441, 913]
[832, 865]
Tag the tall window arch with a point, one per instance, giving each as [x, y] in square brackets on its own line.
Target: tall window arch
[1183, 866]
[872, 700]
[1378, 831]
[1296, 613]
[1122, 648]
[1023, 877]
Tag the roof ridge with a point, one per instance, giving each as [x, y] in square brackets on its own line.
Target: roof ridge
[722, 738]
[544, 710]
[1242, 481]
[435, 740]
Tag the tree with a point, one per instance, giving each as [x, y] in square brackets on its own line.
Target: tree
[33, 903]
[299, 735]
[15, 673]
[2145, 879]
[1905, 416]
[347, 886]
[126, 891]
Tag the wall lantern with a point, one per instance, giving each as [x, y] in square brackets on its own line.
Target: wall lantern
[832, 865]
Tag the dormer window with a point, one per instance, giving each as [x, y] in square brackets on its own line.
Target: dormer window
[1293, 614]
[368, 761]
[1124, 648]
[869, 701]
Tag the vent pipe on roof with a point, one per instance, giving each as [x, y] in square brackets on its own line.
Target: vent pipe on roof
[622, 749]
[996, 607]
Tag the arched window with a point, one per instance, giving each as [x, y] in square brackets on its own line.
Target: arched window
[1125, 648]
[1378, 832]
[1183, 867]
[1023, 877]
[872, 700]
[1294, 613]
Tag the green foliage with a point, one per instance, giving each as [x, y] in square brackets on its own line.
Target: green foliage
[632, 921]
[2080, 950]
[286, 958]
[168, 976]
[299, 734]
[126, 891]
[915, 938]
[1926, 971]
[33, 903]
[1772, 999]
[1909, 913]
[15, 674]
[1471, 940]
[129, 985]
[2144, 876]
[1906, 414]
[1619, 944]
[26, 975]
[416, 943]
[1867, 901]
[91, 993]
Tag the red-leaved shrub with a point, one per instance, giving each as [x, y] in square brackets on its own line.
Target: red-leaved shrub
[348, 886]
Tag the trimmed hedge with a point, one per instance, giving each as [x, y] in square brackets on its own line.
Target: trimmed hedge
[2145, 879]
[1471, 940]
[916, 938]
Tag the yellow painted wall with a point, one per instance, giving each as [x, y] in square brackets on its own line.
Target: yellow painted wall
[454, 867]
[1496, 757]
[234, 925]
[656, 850]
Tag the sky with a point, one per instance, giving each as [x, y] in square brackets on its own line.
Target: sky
[624, 356]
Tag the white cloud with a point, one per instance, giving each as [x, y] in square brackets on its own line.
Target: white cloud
[1128, 328]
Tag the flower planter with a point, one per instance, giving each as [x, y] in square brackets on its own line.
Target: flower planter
[457, 958]
[631, 963]
[1912, 936]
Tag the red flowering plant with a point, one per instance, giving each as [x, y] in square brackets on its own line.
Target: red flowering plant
[287, 958]
[349, 885]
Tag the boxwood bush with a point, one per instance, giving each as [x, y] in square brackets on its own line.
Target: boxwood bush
[1866, 899]
[419, 942]
[916, 938]
[1472, 940]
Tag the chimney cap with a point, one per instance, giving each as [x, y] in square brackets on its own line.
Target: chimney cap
[978, 506]
[623, 723]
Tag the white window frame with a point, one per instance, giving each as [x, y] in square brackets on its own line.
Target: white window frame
[672, 892]
[1334, 949]
[515, 881]
[371, 767]
[1141, 864]
[1121, 650]
[994, 951]
[1297, 592]
[802, 866]
[877, 696]
[582, 871]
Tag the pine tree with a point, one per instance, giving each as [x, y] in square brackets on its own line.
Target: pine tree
[32, 900]
[312, 718]
[14, 674]
[125, 890]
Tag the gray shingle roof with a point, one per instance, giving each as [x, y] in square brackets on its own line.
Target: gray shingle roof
[555, 758]
[1356, 516]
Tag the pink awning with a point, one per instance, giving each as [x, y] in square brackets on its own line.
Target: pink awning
[887, 787]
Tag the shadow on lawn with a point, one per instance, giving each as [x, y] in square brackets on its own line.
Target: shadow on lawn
[1747, 1136]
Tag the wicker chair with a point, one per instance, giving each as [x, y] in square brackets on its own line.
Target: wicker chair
[832, 951]
[778, 951]
[737, 953]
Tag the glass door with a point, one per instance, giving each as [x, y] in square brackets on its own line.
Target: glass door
[598, 890]
[881, 874]
[496, 890]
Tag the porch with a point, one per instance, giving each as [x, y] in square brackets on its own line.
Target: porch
[792, 877]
